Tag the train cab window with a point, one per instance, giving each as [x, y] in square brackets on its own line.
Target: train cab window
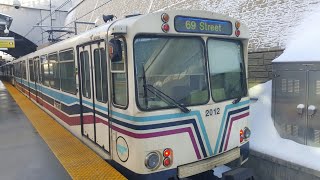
[100, 66]
[227, 73]
[67, 72]
[119, 78]
[54, 71]
[171, 66]
[85, 74]
[45, 70]
[31, 70]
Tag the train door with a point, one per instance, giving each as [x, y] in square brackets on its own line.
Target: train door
[21, 75]
[100, 90]
[94, 93]
[11, 76]
[87, 100]
[36, 66]
[31, 76]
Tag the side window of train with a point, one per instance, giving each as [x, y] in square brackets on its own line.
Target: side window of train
[54, 71]
[67, 71]
[31, 70]
[85, 74]
[45, 70]
[117, 56]
[23, 69]
[100, 65]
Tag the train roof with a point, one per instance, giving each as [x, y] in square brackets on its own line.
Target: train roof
[102, 30]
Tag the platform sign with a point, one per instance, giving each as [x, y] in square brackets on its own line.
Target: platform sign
[7, 42]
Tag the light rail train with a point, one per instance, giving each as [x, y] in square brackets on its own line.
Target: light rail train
[160, 96]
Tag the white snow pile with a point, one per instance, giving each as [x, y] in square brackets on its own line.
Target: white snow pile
[304, 44]
[265, 138]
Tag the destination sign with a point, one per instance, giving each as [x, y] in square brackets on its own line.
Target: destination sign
[200, 25]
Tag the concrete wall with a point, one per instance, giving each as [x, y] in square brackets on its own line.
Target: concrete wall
[259, 66]
[271, 22]
[269, 168]
[25, 18]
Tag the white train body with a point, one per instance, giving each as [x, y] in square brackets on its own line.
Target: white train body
[116, 108]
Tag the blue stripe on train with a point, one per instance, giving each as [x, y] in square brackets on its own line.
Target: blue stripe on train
[163, 125]
[66, 99]
[226, 126]
[230, 106]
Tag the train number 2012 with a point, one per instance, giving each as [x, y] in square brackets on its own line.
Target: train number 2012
[211, 112]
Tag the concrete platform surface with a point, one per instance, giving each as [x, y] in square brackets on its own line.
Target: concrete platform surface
[23, 153]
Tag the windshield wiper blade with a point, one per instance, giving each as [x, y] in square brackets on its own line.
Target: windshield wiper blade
[165, 97]
[237, 100]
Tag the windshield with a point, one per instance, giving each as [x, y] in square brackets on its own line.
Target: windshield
[227, 77]
[175, 66]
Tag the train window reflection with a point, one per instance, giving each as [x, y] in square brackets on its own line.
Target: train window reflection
[85, 74]
[67, 71]
[100, 66]
[45, 70]
[119, 79]
[175, 66]
[226, 69]
[54, 72]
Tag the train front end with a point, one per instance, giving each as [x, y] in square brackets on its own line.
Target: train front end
[187, 79]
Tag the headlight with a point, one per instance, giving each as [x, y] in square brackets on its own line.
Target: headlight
[247, 133]
[152, 160]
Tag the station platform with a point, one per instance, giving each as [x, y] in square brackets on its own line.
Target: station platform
[34, 146]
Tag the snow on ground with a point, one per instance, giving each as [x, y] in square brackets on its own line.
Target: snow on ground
[304, 44]
[265, 138]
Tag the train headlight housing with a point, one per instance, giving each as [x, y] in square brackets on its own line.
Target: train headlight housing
[241, 136]
[152, 160]
[246, 133]
[164, 17]
[167, 152]
[167, 162]
[165, 27]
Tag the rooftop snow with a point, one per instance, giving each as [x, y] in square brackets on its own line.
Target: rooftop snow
[304, 45]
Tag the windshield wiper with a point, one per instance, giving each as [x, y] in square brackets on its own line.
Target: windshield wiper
[165, 97]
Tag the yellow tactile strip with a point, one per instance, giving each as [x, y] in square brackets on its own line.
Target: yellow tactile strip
[78, 159]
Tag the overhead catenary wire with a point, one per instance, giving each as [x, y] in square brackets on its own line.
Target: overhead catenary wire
[80, 18]
[49, 15]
